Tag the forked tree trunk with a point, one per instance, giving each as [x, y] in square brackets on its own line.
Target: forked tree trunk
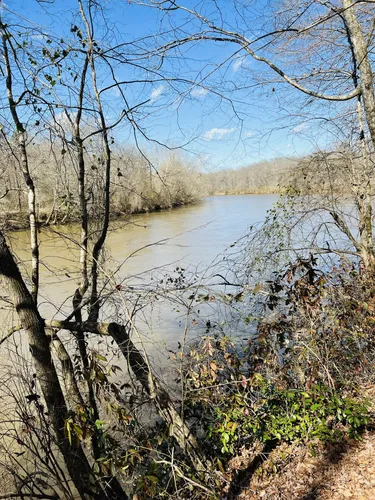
[142, 372]
[33, 325]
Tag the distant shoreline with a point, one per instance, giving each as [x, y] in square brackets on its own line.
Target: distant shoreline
[20, 222]
[246, 193]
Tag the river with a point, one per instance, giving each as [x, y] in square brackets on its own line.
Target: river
[189, 237]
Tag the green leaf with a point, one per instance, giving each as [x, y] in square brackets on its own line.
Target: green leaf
[99, 424]
[153, 479]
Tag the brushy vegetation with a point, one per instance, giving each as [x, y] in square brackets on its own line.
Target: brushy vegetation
[137, 185]
[300, 379]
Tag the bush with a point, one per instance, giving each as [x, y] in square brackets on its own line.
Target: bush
[292, 416]
[301, 376]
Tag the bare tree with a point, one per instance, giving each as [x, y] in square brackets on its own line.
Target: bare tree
[308, 47]
[83, 110]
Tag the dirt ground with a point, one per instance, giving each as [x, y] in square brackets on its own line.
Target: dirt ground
[335, 472]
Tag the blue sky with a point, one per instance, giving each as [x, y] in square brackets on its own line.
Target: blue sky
[261, 125]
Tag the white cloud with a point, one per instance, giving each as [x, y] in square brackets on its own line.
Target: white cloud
[199, 92]
[300, 128]
[249, 133]
[115, 91]
[218, 133]
[156, 93]
[237, 64]
[240, 62]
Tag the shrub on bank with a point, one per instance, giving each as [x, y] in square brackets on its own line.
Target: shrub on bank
[301, 377]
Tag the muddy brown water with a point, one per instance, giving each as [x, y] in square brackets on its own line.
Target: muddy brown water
[190, 237]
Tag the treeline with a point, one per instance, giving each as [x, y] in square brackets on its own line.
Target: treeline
[143, 183]
[263, 177]
[138, 183]
[327, 173]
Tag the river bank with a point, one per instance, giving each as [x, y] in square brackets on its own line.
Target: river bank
[15, 221]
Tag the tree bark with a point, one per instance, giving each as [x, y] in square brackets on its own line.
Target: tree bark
[361, 181]
[24, 164]
[33, 325]
[364, 66]
[164, 405]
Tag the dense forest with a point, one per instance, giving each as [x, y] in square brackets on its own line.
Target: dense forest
[136, 185]
[269, 390]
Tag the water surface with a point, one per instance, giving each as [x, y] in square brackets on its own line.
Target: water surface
[190, 237]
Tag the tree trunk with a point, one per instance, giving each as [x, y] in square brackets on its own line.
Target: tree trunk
[164, 405]
[24, 163]
[364, 65]
[166, 409]
[361, 180]
[33, 325]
